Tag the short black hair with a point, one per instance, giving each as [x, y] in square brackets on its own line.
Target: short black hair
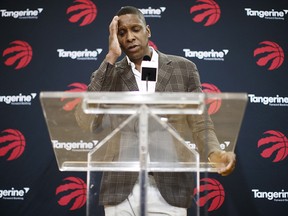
[131, 10]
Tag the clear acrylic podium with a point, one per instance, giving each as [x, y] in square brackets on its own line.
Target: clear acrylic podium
[138, 132]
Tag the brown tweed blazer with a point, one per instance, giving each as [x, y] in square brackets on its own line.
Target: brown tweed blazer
[175, 74]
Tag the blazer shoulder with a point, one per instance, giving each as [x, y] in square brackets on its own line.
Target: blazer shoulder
[175, 59]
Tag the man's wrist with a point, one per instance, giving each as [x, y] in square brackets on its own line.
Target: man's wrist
[111, 58]
[213, 153]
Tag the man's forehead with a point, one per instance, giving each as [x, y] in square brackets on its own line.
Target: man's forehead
[130, 19]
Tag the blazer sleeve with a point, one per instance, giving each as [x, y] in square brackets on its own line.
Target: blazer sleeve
[100, 81]
[101, 78]
[201, 126]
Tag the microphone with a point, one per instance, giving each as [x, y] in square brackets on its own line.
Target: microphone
[149, 70]
[146, 58]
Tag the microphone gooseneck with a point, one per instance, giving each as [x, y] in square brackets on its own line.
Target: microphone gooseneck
[149, 70]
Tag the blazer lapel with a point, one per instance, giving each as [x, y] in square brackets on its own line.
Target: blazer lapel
[127, 75]
[164, 72]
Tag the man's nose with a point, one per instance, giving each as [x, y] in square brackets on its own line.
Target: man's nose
[130, 36]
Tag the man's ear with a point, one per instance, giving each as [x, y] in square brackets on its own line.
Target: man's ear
[148, 31]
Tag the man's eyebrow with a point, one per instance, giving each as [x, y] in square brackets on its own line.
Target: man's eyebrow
[132, 24]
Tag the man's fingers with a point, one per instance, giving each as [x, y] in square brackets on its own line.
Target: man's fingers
[114, 25]
[231, 158]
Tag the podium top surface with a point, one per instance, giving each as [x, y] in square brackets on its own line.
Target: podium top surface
[76, 148]
[144, 97]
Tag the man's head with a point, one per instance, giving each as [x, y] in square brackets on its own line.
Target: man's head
[131, 10]
[133, 33]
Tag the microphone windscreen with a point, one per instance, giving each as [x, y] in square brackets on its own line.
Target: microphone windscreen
[146, 58]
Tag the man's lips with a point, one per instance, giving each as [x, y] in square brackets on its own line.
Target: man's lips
[132, 47]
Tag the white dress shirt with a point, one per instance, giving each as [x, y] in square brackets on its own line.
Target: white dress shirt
[142, 85]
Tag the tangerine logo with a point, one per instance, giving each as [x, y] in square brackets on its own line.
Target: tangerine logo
[211, 193]
[225, 145]
[211, 55]
[76, 87]
[152, 12]
[274, 144]
[269, 53]
[207, 10]
[267, 14]
[266, 100]
[75, 146]
[14, 194]
[277, 196]
[79, 54]
[19, 54]
[84, 11]
[21, 14]
[213, 104]
[12, 144]
[19, 99]
[72, 192]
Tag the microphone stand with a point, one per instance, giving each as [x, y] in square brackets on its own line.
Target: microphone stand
[147, 79]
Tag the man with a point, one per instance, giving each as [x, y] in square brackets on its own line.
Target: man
[171, 192]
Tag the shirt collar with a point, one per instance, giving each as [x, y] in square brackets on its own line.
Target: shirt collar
[153, 59]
